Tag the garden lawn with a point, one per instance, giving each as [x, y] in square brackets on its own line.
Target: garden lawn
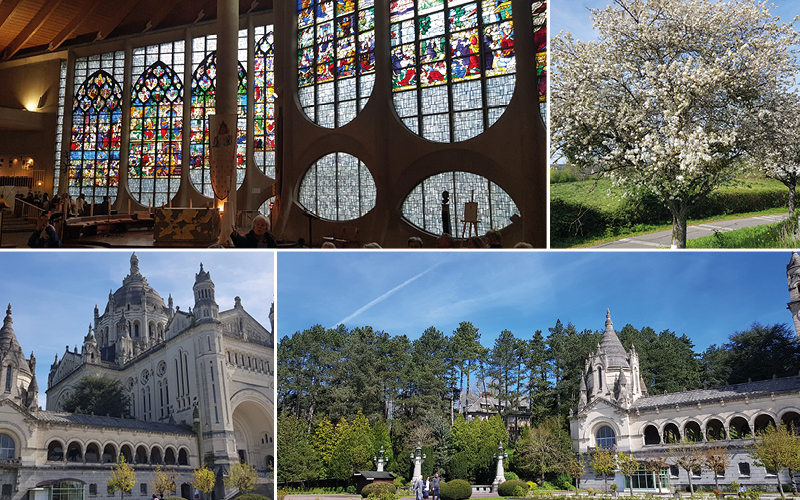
[587, 213]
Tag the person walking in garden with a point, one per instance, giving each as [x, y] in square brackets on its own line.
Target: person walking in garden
[426, 488]
[435, 487]
[418, 488]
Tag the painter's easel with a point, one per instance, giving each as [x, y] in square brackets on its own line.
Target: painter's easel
[470, 217]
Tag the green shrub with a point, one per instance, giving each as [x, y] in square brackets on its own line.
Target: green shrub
[563, 482]
[399, 480]
[457, 489]
[519, 492]
[252, 496]
[511, 476]
[507, 488]
[178, 498]
[459, 465]
[351, 489]
[377, 489]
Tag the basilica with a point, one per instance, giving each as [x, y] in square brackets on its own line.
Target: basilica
[200, 384]
[616, 412]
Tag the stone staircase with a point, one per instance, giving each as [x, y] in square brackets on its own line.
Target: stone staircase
[15, 224]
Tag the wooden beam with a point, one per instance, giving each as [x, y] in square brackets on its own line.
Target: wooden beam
[30, 28]
[6, 9]
[209, 7]
[73, 24]
[163, 12]
[118, 15]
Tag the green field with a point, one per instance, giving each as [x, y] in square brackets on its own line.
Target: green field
[587, 213]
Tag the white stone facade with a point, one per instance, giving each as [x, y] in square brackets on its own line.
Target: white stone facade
[615, 410]
[200, 383]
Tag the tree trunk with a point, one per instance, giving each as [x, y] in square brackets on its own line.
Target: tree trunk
[780, 486]
[678, 210]
[691, 486]
[630, 484]
[794, 483]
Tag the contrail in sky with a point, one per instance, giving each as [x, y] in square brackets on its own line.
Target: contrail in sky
[387, 294]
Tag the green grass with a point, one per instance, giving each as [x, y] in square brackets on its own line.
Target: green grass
[642, 229]
[766, 236]
[599, 196]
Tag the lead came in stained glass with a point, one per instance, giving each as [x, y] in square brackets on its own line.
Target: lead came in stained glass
[154, 160]
[539, 11]
[95, 145]
[438, 44]
[423, 207]
[338, 187]
[335, 58]
[204, 82]
[264, 101]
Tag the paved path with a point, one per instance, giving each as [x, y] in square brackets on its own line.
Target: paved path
[663, 239]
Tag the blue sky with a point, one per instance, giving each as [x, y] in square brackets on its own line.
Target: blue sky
[53, 293]
[573, 15]
[706, 295]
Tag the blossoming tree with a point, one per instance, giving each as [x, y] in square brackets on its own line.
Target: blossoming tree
[775, 133]
[656, 104]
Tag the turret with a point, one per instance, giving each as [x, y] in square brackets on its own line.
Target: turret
[205, 304]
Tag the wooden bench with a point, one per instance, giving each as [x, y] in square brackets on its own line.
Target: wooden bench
[77, 227]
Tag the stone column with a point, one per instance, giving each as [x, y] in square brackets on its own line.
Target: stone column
[226, 90]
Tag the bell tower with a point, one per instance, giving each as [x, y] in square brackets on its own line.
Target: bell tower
[793, 278]
[205, 304]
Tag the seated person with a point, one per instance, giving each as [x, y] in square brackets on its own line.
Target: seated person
[44, 236]
[258, 237]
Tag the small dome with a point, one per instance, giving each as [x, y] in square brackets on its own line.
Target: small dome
[136, 291]
[611, 347]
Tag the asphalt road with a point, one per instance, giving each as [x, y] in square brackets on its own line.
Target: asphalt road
[663, 239]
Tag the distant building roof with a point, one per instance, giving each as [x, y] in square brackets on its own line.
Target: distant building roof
[63, 418]
[759, 389]
[373, 474]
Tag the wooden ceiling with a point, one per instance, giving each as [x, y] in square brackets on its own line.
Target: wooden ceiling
[37, 26]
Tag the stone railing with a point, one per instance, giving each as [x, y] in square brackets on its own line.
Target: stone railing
[11, 461]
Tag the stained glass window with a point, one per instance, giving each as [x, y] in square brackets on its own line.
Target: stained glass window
[204, 84]
[154, 159]
[264, 100]
[539, 10]
[335, 58]
[266, 207]
[453, 65]
[338, 187]
[423, 206]
[96, 127]
[62, 98]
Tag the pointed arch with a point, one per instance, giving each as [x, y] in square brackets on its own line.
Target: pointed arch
[204, 86]
[154, 160]
[95, 145]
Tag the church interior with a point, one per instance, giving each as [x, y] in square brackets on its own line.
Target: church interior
[341, 121]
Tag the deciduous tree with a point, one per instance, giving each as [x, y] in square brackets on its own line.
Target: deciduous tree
[602, 462]
[203, 480]
[657, 102]
[242, 476]
[164, 483]
[123, 477]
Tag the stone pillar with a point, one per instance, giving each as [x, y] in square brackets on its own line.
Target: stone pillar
[226, 90]
[417, 457]
[500, 478]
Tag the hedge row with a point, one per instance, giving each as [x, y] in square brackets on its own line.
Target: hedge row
[376, 488]
[509, 488]
[570, 219]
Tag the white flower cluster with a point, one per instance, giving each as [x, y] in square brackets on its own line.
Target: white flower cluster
[659, 103]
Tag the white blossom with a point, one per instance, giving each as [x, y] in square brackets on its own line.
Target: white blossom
[659, 100]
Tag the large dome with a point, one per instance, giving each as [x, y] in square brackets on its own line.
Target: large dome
[136, 291]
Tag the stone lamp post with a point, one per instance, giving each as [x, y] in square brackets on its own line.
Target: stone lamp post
[417, 457]
[501, 477]
[380, 461]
